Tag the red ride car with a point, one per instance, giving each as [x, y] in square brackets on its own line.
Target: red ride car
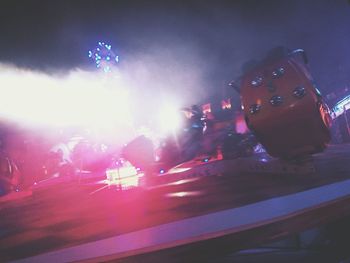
[283, 107]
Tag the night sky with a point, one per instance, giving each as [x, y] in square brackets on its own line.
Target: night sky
[193, 48]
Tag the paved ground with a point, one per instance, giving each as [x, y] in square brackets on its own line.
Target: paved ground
[69, 215]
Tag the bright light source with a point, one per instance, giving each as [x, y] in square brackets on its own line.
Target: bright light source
[169, 119]
[125, 177]
[80, 99]
[127, 171]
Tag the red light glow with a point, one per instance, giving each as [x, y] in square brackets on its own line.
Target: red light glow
[226, 104]
[206, 108]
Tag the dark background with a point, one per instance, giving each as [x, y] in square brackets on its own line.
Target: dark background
[198, 45]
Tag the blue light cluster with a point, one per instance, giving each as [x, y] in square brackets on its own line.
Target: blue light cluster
[104, 57]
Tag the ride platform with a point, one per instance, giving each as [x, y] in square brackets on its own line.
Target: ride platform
[186, 216]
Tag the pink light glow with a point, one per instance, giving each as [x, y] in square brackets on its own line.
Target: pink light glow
[241, 126]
